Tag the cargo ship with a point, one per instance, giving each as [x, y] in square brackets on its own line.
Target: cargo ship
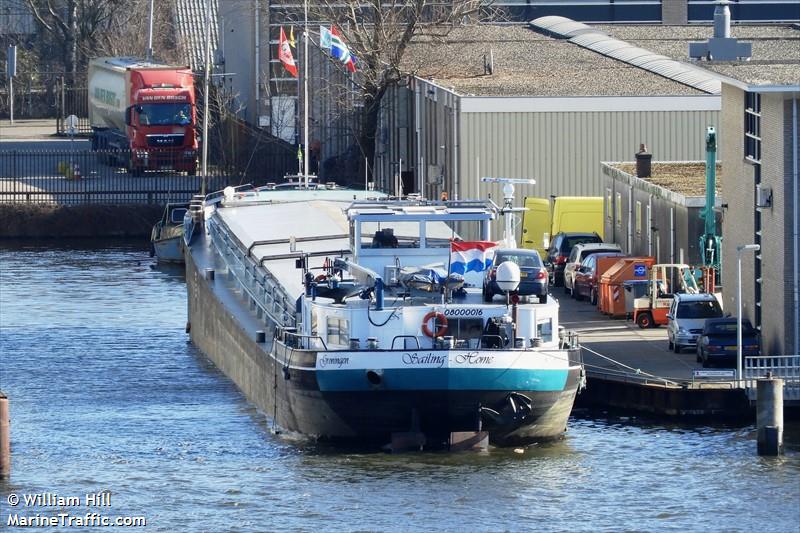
[340, 315]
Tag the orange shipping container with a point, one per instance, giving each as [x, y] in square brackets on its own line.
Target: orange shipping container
[611, 296]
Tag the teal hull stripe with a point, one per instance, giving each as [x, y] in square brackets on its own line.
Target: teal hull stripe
[544, 380]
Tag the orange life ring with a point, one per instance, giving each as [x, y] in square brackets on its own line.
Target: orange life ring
[440, 319]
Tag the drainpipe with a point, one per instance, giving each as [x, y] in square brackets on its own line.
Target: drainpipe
[796, 232]
[630, 218]
[257, 22]
[416, 132]
[456, 180]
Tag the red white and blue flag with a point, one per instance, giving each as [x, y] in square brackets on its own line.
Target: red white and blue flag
[471, 256]
[332, 41]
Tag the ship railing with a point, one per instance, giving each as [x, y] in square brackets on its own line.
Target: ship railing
[292, 339]
[264, 293]
[404, 337]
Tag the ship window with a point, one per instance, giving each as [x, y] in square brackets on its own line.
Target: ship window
[338, 331]
[390, 234]
[469, 329]
[544, 330]
[314, 321]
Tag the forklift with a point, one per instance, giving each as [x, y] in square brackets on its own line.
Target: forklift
[666, 280]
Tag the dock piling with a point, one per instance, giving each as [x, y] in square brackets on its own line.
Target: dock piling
[769, 415]
[5, 437]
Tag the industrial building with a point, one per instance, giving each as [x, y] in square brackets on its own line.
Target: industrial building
[657, 215]
[548, 101]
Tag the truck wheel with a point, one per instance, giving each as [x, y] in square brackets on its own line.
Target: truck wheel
[677, 348]
[644, 320]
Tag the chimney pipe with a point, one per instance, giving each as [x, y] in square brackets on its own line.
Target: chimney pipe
[722, 20]
[643, 158]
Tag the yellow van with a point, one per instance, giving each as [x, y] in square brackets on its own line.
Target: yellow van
[582, 214]
[536, 224]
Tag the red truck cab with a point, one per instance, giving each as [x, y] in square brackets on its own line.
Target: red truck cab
[144, 113]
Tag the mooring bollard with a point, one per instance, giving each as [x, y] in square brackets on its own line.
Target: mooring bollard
[5, 437]
[769, 415]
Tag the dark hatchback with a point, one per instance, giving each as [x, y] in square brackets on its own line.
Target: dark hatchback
[533, 276]
[717, 344]
[560, 247]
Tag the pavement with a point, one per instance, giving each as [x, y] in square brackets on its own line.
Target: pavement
[29, 129]
[624, 342]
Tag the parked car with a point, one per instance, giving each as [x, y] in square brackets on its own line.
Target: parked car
[687, 316]
[586, 276]
[559, 250]
[533, 275]
[717, 342]
[578, 254]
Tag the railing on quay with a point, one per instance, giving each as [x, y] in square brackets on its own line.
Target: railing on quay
[785, 367]
[83, 176]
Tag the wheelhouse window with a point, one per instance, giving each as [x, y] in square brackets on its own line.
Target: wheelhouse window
[338, 331]
[752, 127]
[544, 330]
[390, 234]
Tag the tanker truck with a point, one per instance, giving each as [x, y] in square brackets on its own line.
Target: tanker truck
[143, 114]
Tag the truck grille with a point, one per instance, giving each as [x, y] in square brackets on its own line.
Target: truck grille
[167, 139]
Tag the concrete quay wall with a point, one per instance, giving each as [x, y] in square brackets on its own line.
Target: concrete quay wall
[44, 221]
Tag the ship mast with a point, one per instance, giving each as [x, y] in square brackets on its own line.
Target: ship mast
[305, 92]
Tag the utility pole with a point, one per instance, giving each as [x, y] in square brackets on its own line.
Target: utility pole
[150, 35]
[205, 98]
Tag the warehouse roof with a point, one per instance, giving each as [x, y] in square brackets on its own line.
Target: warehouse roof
[527, 63]
[776, 49]
[686, 178]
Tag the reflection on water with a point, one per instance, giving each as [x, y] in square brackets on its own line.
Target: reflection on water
[107, 394]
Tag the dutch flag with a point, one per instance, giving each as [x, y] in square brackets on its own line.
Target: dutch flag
[471, 256]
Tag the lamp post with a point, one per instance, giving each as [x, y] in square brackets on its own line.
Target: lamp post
[739, 249]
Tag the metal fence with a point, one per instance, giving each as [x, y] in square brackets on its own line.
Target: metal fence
[84, 176]
[785, 367]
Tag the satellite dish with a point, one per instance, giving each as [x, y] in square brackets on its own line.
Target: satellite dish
[507, 276]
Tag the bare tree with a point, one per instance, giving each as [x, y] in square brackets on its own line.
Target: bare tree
[379, 33]
[82, 29]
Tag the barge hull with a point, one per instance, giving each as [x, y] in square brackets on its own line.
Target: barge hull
[224, 328]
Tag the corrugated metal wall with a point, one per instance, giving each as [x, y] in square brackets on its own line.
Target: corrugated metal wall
[562, 151]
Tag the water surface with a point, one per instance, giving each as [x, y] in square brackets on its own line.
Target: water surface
[106, 394]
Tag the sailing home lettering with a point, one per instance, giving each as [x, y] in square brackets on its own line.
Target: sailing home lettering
[424, 359]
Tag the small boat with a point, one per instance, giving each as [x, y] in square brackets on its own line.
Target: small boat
[166, 238]
[343, 319]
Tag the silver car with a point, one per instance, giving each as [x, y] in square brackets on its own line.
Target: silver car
[687, 316]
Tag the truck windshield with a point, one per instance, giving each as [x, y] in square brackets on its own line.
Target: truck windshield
[164, 114]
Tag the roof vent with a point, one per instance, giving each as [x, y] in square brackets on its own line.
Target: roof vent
[721, 47]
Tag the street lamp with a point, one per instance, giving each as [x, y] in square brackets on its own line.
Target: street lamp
[739, 250]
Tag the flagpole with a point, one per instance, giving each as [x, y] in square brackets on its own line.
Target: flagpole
[305, 92]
